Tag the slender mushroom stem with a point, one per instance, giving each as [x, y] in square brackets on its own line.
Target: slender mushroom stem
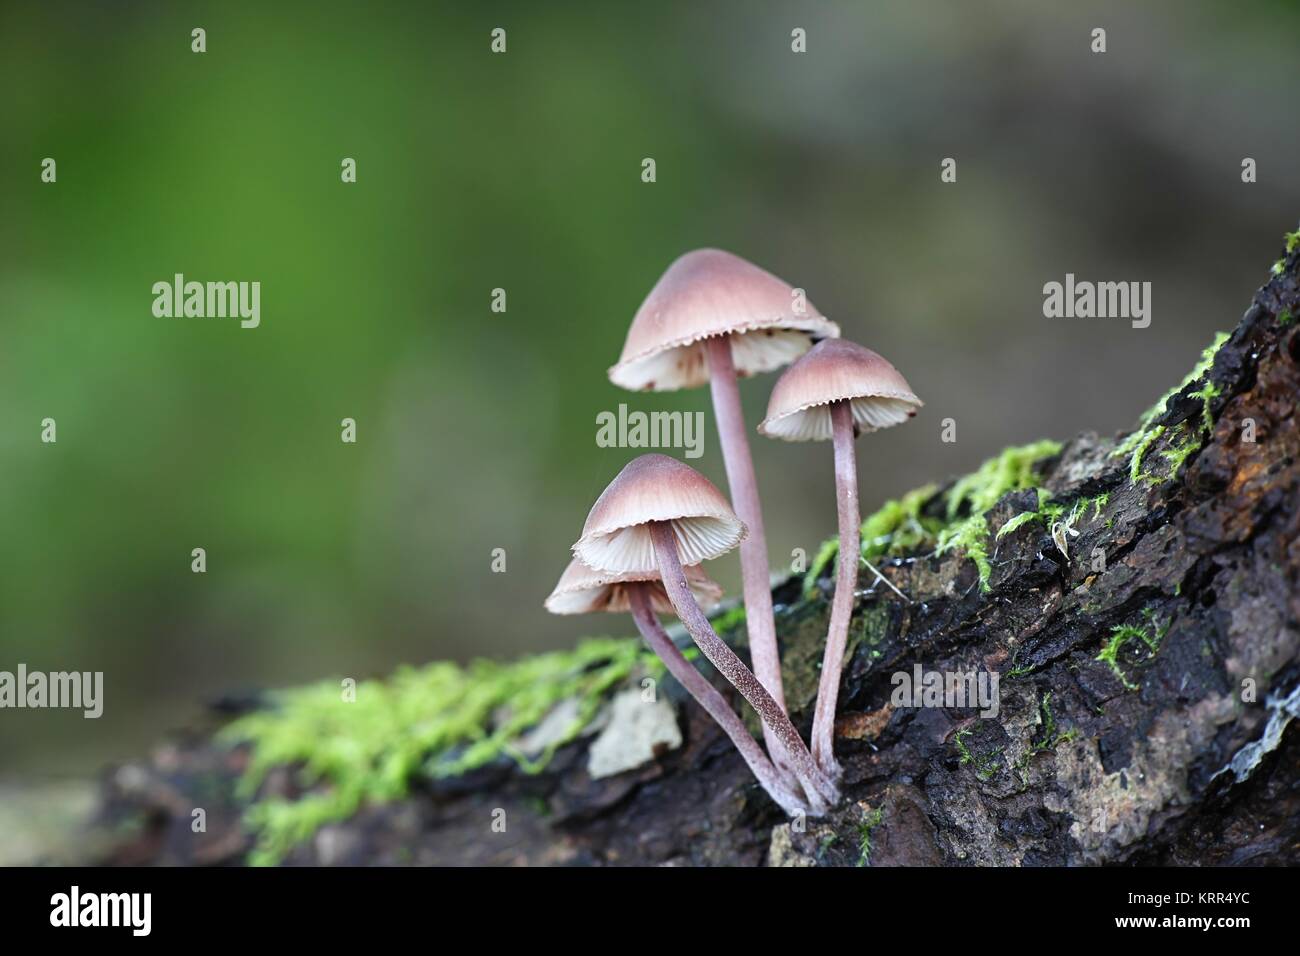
[714, 704]
[755, 571]
[846, 583]
[820, 790]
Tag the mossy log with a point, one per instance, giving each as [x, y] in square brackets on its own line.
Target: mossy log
[1137, 597]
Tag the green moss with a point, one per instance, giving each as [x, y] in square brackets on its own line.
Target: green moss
[1202, 366]
[1150, 635]
[1193, 439]
[1140, 440]
[900, 526]
[1013, 470]
[439, 720]
[1048, 512]
[1285, 317]
[897, 527]
[1292, 240]
[825, 555]
[963, 749]
[985, 766]
[1119, 636]
[1077, 511]
[1049, 740]
[1019, 521]
[1051, 514]
[971, 537]
[870, 821]
[1145, 439]
[1207, 393]
[1179, 454]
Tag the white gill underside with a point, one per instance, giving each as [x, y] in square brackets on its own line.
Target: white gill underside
[814, 424]
[630, 549]
[752, 353]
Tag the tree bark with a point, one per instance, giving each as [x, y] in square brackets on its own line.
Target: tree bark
[1177, 747]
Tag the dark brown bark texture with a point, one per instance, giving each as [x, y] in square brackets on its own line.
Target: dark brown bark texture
[1179, 751]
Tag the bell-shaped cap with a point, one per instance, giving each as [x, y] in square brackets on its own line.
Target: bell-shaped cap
[583, 590]
[837, 370]
[653, 488]
[707, 293]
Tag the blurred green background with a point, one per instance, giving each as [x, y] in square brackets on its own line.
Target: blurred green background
[522, 171]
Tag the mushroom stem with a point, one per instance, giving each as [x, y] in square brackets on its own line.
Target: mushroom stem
[755, 571]
[820, 790]
[714, 704]
[846, 583]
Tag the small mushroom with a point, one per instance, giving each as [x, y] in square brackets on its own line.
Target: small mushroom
[711, 317]
[582, 590]
[836, 391]
[658, 514]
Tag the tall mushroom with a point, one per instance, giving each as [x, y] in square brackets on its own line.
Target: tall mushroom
[836, 391]
[656, 515]
[712, 317]
[582, 590]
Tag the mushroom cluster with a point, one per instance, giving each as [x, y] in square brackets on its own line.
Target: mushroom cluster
[713, 317]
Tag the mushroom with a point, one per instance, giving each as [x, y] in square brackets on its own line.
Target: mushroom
[582, 590]
[659, 514]
[836, 391]
[712, 317]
